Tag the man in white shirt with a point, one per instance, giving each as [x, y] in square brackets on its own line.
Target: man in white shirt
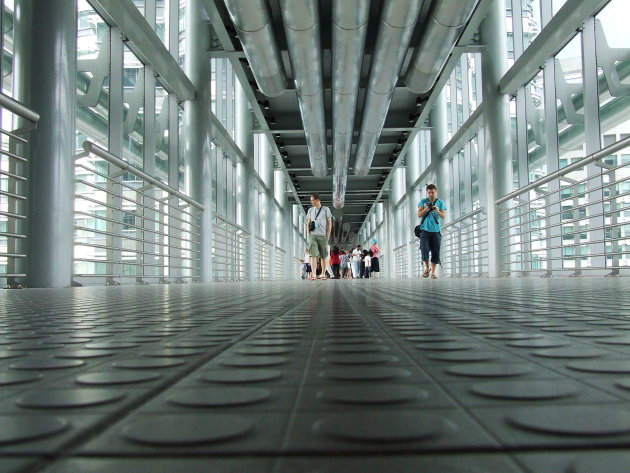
[356, 261]
[318, 228]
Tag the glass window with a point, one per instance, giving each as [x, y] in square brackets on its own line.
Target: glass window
[514, 134]
[162, 99]
[133, 109]
[557, 4]
[459, 95]
[162, 20]
[570, 102]
[474, 172]
[536, 137]
[8, 56]
[532, 21]
[613, 66]
[463, 185]
[182, 33]
[93, 64]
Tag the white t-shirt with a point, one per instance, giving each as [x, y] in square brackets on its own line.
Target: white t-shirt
[367, 259]
[321, 223]
[356, 255]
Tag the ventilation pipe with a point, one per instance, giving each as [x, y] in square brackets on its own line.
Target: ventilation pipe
[437, 42]
[253, 24]
[301, 25]
[350, 20]
[398, 20]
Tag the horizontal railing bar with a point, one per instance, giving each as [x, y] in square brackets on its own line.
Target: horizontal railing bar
[579, 195]
[142, 276]
[529, 241]
[133, 202]
[12, 255]
[13, 176]
[114, 248]
[137, 227]
[14, 156]
[12, 275]
[116, 161]
[157, 200]
[13, 215]
[12, 235]
[116, 235]
[619, 145]
[567, 222]
[150, 209]
[558, 247]
[229, 222]
[13, 196]
[13, 135]
[140, 252]
[579, 206]
[465, 217]
[132, 263]
[18, 108]
[563, 258]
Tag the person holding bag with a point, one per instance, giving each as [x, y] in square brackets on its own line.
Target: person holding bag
[431, 210]
[318, 228]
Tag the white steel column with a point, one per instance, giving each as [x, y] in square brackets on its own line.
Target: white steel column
[197, 127]
[495, 163]
[51, 94]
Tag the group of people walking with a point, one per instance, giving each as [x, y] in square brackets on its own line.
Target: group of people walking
[364, 263]
[342, 263]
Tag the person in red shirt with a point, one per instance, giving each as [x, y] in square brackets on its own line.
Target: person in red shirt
[335, 261]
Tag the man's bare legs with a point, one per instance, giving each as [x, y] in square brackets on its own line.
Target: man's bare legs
[314, 267]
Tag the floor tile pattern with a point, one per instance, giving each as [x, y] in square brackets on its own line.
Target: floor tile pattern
[370, 376]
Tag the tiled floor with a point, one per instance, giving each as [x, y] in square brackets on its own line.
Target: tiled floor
[357, 376]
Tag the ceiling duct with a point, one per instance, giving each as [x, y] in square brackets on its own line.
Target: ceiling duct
[301, 25]
[437, 42]
[255, 30]
[349, 25]
[398, 20]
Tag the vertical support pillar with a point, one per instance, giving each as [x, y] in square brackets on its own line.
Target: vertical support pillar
[495, 162]
[52, 95]
[197, 126]
[594, 144]
[439, 167]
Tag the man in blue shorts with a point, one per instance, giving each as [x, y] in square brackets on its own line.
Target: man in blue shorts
[431, 210]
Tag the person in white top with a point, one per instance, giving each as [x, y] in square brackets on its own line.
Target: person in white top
[367, 259]
[356, 261]
[318, 228]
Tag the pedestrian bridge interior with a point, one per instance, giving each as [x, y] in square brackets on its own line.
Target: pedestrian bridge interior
[157, 162]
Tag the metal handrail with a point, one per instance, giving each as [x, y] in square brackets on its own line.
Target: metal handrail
[619, 145]
[464, 217]
[95, 149]
[18, 108]
[15, 215]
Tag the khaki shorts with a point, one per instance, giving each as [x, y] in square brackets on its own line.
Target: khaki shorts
[317, 246]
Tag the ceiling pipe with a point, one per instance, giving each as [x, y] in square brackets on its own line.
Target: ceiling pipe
[301, 25]
[398, 20]
[255, 30]
[447, 22]
[350, 20]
